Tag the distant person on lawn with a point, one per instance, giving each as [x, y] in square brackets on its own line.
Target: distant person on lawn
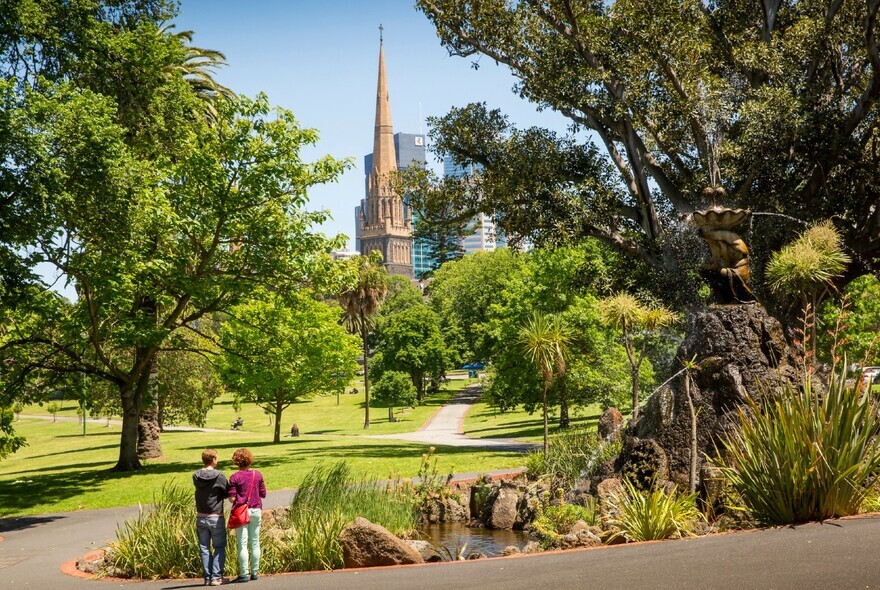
[211, 490]
[246, 486]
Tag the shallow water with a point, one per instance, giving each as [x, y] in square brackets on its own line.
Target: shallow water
[458, 538]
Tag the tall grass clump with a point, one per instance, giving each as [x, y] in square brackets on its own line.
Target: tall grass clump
[330, 498]
[161, 542]
[654, 514]
[572, 455]
[802, 455]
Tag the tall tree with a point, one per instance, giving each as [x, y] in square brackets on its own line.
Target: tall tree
[361, 301]
[153, 245]
[411, 342]
[767, 105]
[545, 340]
[276, 352]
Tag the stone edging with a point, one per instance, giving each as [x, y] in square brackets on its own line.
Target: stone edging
[70, 568]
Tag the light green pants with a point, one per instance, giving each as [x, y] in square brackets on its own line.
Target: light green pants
[248, 537]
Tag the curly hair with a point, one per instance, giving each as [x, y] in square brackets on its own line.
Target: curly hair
[242, 457]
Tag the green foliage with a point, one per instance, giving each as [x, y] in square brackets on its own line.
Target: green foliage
[411, 341]
[394, 389]
[430, 483]
[684, 103]
[54, 408]
[328, 499]
[279, 351]
[9, 441]
[654, 514]
[553, 522]
[161, 542]
[856, 316]
[804, 455]
[572, 455]
[187, 384]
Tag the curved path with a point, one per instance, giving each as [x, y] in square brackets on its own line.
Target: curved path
[445, 427]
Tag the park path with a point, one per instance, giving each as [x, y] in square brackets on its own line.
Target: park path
[445, 427]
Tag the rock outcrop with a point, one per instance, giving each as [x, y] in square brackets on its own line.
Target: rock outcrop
[740, 351]
[365, 544]
[504, 512]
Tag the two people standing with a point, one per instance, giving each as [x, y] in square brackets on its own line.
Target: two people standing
[246, 486]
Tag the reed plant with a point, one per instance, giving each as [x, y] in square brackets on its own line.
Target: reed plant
[329, 498]
[161, 542]
[574, 454]
[654, 514]
[803, 455]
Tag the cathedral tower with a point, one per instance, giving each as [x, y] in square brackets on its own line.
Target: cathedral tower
[384, 222]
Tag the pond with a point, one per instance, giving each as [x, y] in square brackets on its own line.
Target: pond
[458, 539]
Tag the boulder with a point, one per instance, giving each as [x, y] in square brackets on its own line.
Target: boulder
[610, 424]
[365, 544]
[580, 539]
[646, 462]
[529, 503]
[426, 550]
[456, 511]
[510, 550]
[503, 513]
[532, 547]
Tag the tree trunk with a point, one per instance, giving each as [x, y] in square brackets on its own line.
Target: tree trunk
[149, 445]
[366, 374]
[635, 392]
[418, 379]
[128, 438]
[692, 480]
[390, 412]
[564, 421]
[546, 429]
[279, 408]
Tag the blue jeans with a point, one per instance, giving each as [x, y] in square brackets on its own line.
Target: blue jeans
[212, 531]
[248, 537]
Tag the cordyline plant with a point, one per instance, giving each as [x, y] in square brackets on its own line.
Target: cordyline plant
[804, 455]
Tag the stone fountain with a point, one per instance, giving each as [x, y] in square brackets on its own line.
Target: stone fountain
[740, 351]
[728, 270]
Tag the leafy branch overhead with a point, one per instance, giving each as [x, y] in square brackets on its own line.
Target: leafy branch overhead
[771, 105]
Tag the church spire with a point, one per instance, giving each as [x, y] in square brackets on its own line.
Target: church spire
[384, 160]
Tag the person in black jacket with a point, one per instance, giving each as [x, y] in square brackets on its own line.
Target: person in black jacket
[211, 490]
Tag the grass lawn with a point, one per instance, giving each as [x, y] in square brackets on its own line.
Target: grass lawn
[485, 421]
[61, 470]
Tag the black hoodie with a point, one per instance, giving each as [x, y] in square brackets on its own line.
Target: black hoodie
[211, 490]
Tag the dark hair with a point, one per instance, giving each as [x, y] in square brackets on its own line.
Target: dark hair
[242, 457]
[209, 456]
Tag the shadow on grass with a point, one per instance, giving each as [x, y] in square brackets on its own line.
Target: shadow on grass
[47, 486]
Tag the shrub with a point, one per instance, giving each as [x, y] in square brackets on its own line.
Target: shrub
[654, 514]
[161, 542]
[554, 521]
[803, 456]
[572, 455]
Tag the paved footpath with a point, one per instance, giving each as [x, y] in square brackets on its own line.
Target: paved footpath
[445, 427]
[838, 554]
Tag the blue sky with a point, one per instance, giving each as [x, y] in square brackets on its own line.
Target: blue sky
[320, 58]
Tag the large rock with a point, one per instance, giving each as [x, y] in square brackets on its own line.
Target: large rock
[741, 352]
[365, 544]
[503, 514]
[607, 494]
[426, 550]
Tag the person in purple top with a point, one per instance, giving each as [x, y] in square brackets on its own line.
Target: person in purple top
[246, 486]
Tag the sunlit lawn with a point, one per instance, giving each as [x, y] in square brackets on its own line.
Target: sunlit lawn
[61, 470]
[485, 421]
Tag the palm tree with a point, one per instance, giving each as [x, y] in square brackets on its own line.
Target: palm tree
[198, 66]
[637, 322]
[361, 301]
[545, 339]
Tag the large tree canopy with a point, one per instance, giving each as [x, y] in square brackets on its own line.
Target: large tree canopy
[769, 105]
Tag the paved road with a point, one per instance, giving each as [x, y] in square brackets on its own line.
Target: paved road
[445, 427]
[840, 554]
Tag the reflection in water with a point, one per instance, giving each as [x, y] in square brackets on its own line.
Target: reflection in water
[458, 538]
